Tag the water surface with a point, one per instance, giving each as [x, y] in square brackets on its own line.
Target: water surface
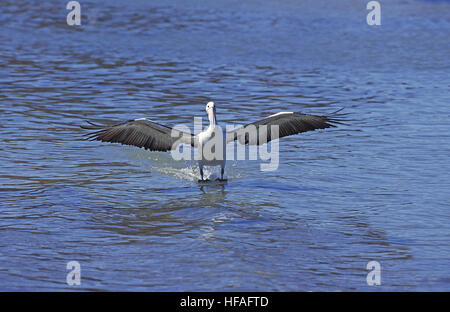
[376, 189]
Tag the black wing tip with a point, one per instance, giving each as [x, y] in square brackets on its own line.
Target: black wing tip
[331, 120]
[336, 118]
[95, 130]
[91, 126]
[334, 122]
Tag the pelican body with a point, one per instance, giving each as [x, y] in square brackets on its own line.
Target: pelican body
[214, 135]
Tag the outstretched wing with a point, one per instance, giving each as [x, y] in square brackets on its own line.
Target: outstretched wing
[288, 123]
[141, 133]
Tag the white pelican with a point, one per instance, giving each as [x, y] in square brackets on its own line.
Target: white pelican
[150, 135]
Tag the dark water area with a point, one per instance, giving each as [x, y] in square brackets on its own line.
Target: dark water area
[376, 189]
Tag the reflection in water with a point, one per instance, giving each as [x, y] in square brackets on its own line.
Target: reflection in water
[168, 219]
[212, 193]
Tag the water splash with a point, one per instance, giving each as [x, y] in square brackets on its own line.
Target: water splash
[187, 170]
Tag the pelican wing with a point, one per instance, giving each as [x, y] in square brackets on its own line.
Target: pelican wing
[141, 133]
[288, 123]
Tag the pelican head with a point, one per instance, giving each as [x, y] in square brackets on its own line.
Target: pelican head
[209, 106]
[211, 111]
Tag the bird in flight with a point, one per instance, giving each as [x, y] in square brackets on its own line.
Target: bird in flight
[145, 133]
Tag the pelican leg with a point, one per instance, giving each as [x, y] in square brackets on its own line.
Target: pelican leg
[222, 170]
[201, 173]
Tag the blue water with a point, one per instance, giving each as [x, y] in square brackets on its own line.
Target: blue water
[376, 189]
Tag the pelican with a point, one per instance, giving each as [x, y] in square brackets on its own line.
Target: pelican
[143, 132]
